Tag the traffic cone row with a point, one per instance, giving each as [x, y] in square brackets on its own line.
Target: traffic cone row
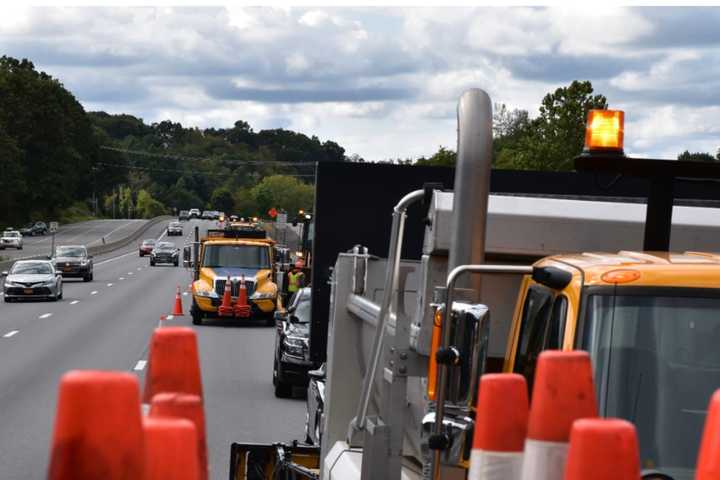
[99, 430]
[241, 307]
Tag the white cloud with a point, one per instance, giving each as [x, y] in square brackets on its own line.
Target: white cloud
[383, 82]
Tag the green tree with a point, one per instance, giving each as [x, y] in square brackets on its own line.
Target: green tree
[442, 158]
[284, 193]
[698, 156]
[222, 199]
[148, 207]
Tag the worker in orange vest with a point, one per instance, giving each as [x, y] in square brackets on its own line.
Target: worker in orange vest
[296, 277]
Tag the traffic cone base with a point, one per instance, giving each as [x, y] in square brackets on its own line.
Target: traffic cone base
[495, 465]
[544, 460]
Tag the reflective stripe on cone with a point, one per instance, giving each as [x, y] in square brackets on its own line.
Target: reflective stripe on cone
[562, 393]
[500, 427]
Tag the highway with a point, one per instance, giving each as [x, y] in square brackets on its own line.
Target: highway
[107, 324]
[83, 233]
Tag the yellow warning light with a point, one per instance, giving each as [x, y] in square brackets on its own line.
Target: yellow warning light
[605, 131]
[620, 276]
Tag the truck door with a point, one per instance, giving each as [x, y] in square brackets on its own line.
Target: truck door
[542, 327]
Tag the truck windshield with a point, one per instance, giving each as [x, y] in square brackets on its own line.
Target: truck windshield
[657, 362]
[239, 256]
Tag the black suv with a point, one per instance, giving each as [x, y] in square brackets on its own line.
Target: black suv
[73, 261]
[34, 228]
[292, 355]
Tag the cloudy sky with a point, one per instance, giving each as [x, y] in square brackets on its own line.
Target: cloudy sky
[383, 82]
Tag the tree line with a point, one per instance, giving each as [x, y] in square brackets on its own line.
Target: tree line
[58, 161]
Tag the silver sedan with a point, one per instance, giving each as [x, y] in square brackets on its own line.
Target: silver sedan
[32, 279]
[11, 239]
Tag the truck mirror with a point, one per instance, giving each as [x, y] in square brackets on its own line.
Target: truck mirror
[4, 274]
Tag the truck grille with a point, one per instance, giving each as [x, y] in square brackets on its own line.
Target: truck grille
[234, 287]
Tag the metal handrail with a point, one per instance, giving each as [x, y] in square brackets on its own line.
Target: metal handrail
[445, 336]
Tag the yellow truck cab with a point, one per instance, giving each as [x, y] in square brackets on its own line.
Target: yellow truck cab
[650, 323]
[242, 254]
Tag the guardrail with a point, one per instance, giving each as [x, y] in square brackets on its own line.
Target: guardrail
[107, 247]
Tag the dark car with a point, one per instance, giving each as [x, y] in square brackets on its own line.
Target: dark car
[183, 215]
[174, 228]
[146, 247]
[34, 228]
[315, 406]
[73, 261]
[165, 252]
[292, 355]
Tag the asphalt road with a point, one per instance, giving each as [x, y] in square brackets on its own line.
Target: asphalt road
[83, 233]
[106, 324]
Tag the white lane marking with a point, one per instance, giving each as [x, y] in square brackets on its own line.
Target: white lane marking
[130, 273]
[45, 315]
[140, 365]
[109, 284]
[94, 292]
[122, 278]
[139, 268]
[115, 258]
[74, 302]
[169, 317]
[10, 333]
[185, 293]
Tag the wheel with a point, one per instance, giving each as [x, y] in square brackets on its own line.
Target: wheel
[20, 247]
[87, 277]
[141, 254]
[7, 299]
[152, 264]
[176, 263]
[59, 297]
[282, 389]
[196, 314]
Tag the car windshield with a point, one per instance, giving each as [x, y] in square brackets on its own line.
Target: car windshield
[11, 234]
[164, 245]
[657, 363]
[70, 252]
[239, 256]
[148, 242]
[31, 269]
[302, 311]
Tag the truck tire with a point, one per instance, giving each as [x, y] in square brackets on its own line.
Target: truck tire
[196, 314]
[282, 389]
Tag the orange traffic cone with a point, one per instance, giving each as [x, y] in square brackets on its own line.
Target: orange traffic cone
[226, 308]
[500, 427]
[708, 467]
[98, 432]
[242, 309]
[170, 449]
[177, 309]
[602, 449]
[563, 392]
[189, 407]
[173, 363]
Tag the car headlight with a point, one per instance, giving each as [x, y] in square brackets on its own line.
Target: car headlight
[262, 296]
[49, 283]
[294, 345]
[84, 262]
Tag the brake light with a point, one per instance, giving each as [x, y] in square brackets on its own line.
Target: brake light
[605, 131]
[434, 345]
[620, 276]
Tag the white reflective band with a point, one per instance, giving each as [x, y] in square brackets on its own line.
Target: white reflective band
[486, 465]
[544, 460]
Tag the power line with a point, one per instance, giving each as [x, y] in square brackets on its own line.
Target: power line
[195, 159]
[174, 170]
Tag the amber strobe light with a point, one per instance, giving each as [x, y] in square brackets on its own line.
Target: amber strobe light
[605, 131]
[434, 345]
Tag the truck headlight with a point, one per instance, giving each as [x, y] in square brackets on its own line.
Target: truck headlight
[294, 345]
[206, 293]
[262, 296]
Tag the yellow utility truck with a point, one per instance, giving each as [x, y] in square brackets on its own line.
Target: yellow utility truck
[243, 256]
[408, 339]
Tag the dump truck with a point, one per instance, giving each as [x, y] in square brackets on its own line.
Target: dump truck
[408, 340]
[237, 259]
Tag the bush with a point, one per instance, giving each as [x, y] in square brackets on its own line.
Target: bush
[148, 207]
[77, 212]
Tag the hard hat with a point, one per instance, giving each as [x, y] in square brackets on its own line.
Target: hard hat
[299, 264]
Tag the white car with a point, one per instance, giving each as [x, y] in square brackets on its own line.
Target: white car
[11, 239]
